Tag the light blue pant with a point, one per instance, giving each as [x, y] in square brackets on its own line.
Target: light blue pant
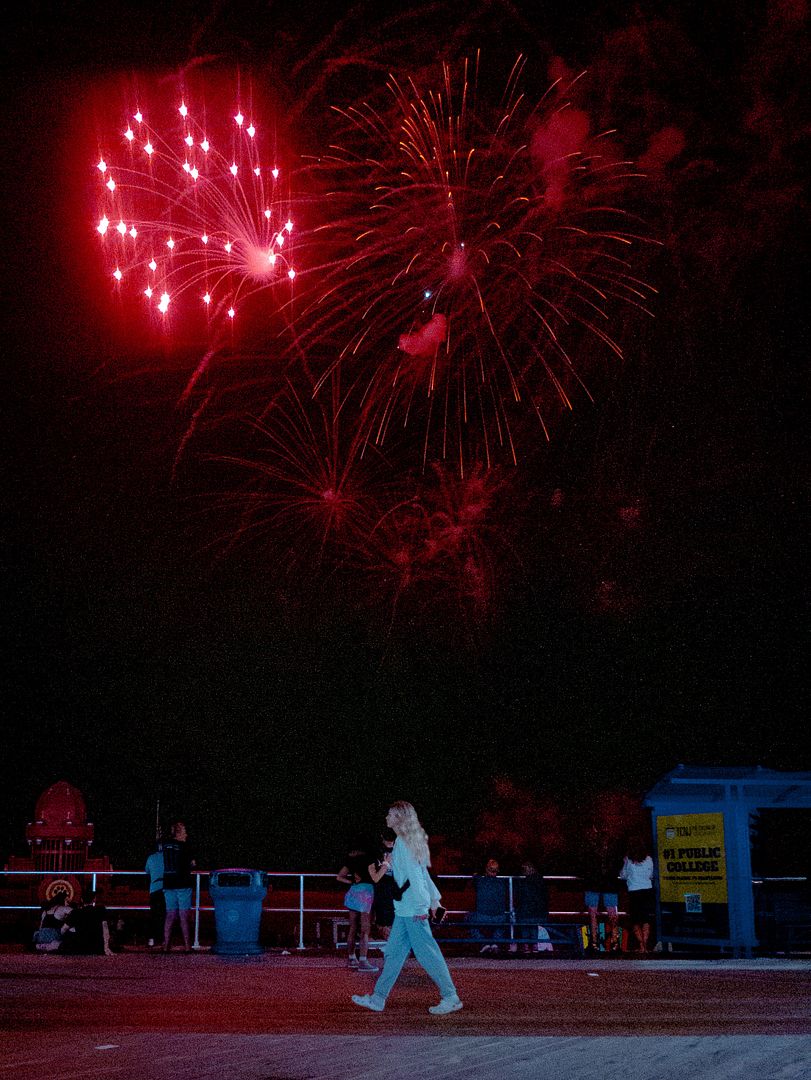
[407, 934]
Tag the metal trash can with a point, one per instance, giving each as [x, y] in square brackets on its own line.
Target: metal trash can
[238, 896]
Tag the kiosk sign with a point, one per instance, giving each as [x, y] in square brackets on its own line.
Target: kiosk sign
[692, 877]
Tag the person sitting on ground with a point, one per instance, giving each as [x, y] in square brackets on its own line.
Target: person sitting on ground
[48, 937]
[491, 905]
[87, 930]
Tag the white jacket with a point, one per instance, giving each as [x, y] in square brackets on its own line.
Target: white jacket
[422, 894]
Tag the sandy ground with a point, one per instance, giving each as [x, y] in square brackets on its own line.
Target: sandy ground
[182, 1017]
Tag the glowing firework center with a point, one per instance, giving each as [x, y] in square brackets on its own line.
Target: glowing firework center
[187, 211]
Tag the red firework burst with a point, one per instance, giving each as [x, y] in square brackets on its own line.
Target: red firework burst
[474, 261]
[316, 489]
[190, 206]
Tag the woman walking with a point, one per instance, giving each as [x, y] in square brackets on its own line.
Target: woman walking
[415, 897]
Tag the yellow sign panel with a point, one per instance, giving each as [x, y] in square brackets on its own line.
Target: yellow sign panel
[692, 860]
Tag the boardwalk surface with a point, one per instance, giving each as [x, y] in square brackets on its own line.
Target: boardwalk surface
[276, 1017]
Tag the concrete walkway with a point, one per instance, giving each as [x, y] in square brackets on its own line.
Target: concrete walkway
[182, 1017]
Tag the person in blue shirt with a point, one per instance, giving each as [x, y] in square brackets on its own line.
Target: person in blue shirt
[157, 901]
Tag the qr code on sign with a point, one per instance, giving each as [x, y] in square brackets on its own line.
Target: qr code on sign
[692, 903]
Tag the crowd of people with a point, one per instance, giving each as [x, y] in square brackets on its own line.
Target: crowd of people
[511, 920]
[388, 881]
[82, 925]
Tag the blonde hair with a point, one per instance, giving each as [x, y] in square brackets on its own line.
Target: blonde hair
[403, 819]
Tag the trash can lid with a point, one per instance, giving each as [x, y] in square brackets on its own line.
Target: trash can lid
[231, 879]
[238, 878]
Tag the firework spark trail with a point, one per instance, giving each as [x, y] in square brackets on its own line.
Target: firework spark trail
[465, 282]
[195, 211]
[474, 259]
[315, 489]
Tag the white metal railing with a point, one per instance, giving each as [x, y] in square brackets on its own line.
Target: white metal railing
[301, 909]
[296, 877]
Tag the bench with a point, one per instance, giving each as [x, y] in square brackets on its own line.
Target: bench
[340, 929]
[562, 936]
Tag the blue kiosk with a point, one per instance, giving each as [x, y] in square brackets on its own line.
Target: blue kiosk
[701, 820]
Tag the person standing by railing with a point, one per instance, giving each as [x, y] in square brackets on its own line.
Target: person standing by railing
[416, 896]
[178, 863]
[637, 873]
[599, 870]
[358, 903]
[157, 901]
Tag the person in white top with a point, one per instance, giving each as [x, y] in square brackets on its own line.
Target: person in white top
[418, 895]
[637, 873]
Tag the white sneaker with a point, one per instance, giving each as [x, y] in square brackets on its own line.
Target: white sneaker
[446, 1005]
[369, 1001]
[364, 965]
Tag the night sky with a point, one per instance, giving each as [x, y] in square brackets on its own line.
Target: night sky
[645, 567]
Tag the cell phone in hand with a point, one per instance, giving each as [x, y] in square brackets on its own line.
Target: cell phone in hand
[439, 915]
